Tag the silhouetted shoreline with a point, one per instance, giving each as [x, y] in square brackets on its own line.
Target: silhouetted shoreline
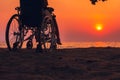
[64, 64]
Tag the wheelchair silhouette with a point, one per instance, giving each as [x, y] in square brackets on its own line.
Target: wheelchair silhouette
[17, 32]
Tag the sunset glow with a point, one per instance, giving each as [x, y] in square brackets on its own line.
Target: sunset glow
[99, 27]
[78, 20]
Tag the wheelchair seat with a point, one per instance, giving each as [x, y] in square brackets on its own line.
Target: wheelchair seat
[31, 12]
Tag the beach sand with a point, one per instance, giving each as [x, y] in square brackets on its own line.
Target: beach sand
[63, 64]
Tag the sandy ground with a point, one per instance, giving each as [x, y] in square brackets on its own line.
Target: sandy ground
[63, 64]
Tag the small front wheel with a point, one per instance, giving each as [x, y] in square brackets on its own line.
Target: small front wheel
[29, 45]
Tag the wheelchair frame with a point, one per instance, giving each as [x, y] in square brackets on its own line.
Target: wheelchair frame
[17, 33]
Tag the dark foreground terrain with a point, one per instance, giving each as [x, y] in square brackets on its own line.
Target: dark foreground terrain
[64, 64]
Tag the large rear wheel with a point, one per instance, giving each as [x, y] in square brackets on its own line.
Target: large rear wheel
[48, 36]
[14, 33]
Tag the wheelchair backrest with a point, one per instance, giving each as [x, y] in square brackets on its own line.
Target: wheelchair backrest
[31, 11]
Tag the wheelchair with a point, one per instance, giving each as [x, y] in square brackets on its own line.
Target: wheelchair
[17, 32]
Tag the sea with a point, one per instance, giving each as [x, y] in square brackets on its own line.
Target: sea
[77, 45]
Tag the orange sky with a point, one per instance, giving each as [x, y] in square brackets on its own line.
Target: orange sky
[76, 19]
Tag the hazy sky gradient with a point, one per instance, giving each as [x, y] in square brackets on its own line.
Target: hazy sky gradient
[76, 19]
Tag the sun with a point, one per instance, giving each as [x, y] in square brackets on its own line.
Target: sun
[99, 27]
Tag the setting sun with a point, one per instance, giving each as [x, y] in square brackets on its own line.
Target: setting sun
[99, 27]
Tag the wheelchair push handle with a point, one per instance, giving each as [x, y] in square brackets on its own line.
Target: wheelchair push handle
[17, 8]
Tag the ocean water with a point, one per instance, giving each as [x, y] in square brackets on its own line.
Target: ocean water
[89, 44]
[77, 44]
